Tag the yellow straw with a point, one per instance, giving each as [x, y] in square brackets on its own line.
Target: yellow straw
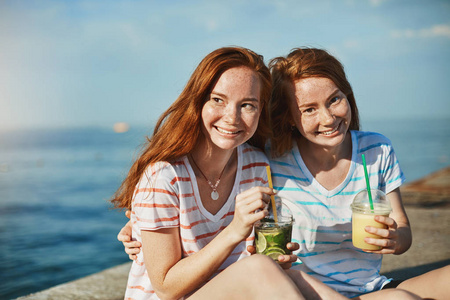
[272, 198]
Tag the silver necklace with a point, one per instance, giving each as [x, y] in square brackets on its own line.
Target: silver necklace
[214, 193]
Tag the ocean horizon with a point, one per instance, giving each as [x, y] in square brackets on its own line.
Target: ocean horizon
[56, 223]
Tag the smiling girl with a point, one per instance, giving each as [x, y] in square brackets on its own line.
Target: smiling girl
[317, 169]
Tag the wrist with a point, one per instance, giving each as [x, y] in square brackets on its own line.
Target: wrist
[232, 235]
[404, 240]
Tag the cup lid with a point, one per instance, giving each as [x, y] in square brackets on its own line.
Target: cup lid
[381, 204]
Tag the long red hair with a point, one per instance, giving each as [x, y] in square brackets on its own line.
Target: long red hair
[178, 128]
[298, 64]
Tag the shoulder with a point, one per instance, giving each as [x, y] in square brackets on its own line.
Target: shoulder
[163, 170]
[371, 139]
[253, 154]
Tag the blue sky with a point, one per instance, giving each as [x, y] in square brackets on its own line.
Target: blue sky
[95, 63]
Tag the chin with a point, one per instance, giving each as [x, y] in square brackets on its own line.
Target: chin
[228, 145]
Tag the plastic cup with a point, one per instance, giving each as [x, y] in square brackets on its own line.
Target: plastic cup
[363, 215]
[272, 237]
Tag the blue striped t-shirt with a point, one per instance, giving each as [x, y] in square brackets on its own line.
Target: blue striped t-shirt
[323, 217]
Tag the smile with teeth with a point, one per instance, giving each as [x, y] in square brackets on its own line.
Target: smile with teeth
[329, 132]
[226, 131]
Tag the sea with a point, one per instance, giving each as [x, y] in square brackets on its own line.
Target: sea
[56, 222]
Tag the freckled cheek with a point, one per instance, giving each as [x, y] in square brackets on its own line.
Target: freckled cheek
[308, 125]
[251, 121]
[341, 111]
[209, 114]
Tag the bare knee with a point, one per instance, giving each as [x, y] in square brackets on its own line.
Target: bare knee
[262, 271]
[261, 264]
[402, 294]
[433, 284]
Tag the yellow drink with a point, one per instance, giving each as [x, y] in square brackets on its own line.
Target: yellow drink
[364, 214]
[359, 223]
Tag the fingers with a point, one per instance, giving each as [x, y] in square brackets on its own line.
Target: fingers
[132, 256]
[387, 245]
[251, 249]
[251, 205]
[382, 232]
[253, 199]
[293, 246]
[288, 258]
[125, 233]
[387, 241]
[128, 213]
[123, 237]
[258, 192]
[252, 217]
[390, 232]
[133, 247]
[285, 261]
[387, 221]
[387, 236]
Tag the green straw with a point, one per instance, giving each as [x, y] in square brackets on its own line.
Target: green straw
[367, 181]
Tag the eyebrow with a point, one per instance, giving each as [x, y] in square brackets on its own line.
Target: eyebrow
[225, 96]
[334, 93]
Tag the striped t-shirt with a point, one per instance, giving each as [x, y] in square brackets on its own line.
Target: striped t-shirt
[168, 196]
[323, 217]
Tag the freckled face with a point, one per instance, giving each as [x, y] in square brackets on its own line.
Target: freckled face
[321, 111]
[231, 113]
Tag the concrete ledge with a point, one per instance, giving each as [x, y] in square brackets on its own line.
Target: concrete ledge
[427, 202]
[109, 284]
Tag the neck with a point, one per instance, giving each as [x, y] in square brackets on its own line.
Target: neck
[213, 163]
[325, 157]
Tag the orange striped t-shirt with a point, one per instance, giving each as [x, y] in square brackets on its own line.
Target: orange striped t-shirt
[168, 196]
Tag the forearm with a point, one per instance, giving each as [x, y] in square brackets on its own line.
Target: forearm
[191, 272]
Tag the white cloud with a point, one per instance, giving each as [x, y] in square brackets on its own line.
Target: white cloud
[211, 25]
[435, 31]
[352, 44]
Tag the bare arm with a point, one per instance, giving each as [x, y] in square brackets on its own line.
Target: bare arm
[173, 277]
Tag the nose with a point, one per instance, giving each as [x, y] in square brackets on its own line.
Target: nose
[232, 114]
[326, 116]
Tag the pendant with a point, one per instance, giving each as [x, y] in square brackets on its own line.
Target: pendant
[214, 195]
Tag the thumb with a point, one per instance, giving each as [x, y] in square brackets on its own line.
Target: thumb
[251, 249]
